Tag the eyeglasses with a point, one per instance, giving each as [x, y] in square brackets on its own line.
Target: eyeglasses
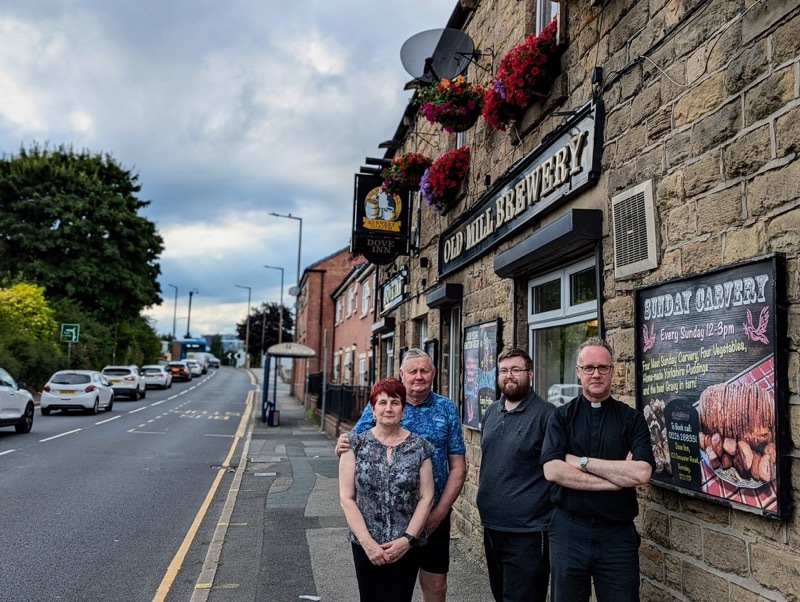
[515, 371]
[602, 369]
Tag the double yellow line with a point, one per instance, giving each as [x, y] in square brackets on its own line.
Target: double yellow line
[183, 550]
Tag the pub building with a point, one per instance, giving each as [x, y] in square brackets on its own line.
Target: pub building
[646, 192]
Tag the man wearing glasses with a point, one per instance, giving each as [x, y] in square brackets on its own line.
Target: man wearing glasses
[513, 495]
[596, 451]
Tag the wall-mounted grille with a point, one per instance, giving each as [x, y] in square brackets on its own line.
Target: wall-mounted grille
[635, 234]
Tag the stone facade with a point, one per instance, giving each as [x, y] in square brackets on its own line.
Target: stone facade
[702, 101]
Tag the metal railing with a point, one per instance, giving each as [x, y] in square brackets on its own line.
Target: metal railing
[346, 402]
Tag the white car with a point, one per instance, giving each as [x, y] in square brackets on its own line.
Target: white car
[156, 376]
[194, 367]
[560, 394]
[16, 404]
[77, 390]
[126, 380]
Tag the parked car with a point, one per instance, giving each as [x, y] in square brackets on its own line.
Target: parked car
[213, 361]
[16, 404]
[194, 367]
[126, 380]
[156, 376]
[179, 370]
[77, 390]
[560, 394]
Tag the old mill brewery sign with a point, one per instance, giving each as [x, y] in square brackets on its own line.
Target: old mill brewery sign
[552, 173]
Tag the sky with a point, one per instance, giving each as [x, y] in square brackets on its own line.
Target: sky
[228, 112]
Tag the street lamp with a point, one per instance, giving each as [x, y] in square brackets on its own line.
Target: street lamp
[247, 327]
[175, 311]
[192, 292]
[299, 240]
[280, 319]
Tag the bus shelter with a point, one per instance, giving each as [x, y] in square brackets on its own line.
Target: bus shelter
[269, 412]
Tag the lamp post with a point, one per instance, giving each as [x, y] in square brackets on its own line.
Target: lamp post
[192, 292]
[247, 327]
[175, 311]
[280, 318]
[299, 240]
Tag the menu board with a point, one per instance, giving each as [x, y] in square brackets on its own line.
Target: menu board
[711, 382]
[480, 370]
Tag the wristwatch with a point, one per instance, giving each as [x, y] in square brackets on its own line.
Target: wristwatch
[584, 462]
[411, 539]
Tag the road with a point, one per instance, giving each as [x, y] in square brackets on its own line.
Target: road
[111, 507]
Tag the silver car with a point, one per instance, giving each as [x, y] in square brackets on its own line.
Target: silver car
[86, 390]
[157, 376]
[126, 380]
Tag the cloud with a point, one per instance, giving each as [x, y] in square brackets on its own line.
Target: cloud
[227, 112]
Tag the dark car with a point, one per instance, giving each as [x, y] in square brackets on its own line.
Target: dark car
[180, 371]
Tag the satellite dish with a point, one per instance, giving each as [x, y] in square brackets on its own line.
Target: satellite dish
[437, 53]
[294, 291]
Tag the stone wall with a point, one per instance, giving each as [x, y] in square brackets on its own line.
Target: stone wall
[713, 121]
[702, 97]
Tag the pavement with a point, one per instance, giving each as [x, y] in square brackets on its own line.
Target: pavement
[282, 535]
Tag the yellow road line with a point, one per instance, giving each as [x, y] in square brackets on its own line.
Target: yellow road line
[183, 550]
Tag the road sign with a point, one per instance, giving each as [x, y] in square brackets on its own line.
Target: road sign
[70, 333]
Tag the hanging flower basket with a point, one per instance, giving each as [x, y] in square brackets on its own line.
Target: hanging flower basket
[524, 74]
[454, 104]
[442, 181]
[405, 172]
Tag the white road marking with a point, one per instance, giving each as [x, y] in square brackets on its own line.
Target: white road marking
[61, 435]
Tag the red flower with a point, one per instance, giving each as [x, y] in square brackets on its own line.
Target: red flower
[523, 73]
[441, 180]
[404, 173]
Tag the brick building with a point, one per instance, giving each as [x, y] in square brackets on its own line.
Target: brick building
[315, 312]
[648, 195]
[353, 302]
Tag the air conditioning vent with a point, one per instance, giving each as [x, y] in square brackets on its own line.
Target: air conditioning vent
[635, 238]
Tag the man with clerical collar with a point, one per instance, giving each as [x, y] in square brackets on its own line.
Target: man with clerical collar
[513, 495]
[596, 451]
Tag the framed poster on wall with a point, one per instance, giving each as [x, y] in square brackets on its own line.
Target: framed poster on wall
[711, 381]
[481, 346]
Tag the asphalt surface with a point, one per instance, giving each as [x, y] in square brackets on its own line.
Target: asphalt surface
[282, 536]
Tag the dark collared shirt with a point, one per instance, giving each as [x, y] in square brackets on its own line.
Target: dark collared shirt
[608, 432]
[513, 494]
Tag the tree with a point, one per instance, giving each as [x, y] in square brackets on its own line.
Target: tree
[28, 347]
[268, 317]
[69, 222]
[24, 309]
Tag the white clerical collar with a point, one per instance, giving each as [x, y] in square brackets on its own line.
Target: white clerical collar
[597, 404]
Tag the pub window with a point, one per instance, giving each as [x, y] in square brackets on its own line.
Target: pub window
[456, 347]
[545, 11]
[389, 355]
[562, 313]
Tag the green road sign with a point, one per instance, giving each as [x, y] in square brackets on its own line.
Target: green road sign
[70, 333]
